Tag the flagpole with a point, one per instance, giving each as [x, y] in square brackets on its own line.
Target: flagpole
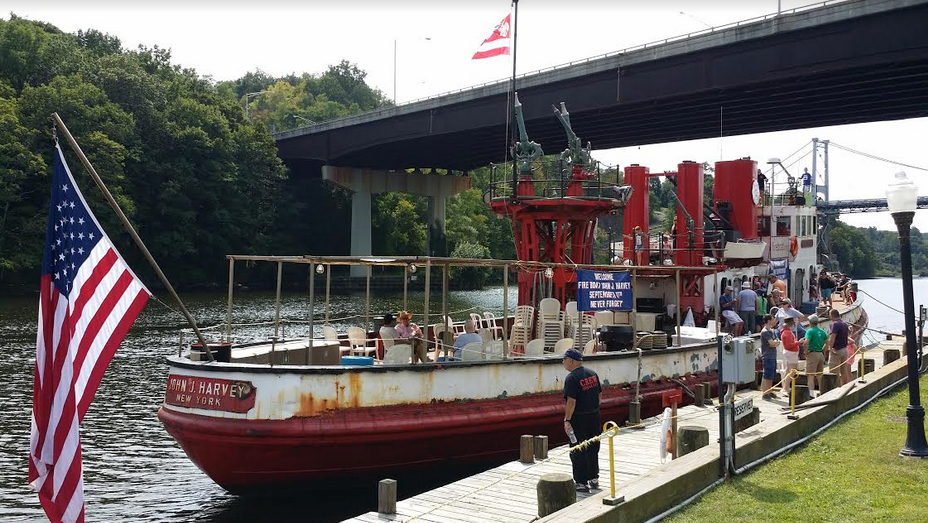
[59, 123]
[512, 92]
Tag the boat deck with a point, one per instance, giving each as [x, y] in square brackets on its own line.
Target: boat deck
[507, 493]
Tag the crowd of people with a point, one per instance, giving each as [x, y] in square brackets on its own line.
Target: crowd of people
[767, 309]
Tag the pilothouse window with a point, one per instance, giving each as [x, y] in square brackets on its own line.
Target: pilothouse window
[783, 226]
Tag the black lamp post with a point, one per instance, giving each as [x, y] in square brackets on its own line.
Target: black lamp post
[901, 197]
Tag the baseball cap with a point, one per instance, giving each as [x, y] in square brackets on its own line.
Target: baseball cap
[786, 300]
[814, 319]
[746, 285]
[729, 288]
[573, 354]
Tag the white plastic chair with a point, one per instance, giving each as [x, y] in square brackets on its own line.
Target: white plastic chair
[485, 335]
[472, 352]
[490, 322]
[493, 350]
[550, 321]
[535, 348]
[398, 354]
[562, 345]
[588, 349]
[357, 342]
[521, 330]
[712, 326]
[456, 328]
[330, 334]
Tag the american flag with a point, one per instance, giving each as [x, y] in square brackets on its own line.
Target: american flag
[89, 299]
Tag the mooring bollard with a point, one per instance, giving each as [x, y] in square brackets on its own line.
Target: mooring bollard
[692, 437]
[541, 447]
[802, 394]
[634, 413]
[890, 355]
[613, 430]
[527, 449]
[555, 491]
[386, 496]
[700, 393]
[829, 382]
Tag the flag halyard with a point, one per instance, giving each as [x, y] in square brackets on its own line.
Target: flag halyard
[89, 298]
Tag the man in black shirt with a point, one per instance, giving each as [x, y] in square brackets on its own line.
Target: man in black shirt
[583, 392]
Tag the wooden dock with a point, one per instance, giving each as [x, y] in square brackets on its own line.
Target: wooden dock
[507, 494]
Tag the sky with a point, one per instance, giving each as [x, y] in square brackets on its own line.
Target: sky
[424, 49]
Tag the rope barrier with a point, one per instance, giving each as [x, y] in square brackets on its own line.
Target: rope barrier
[880, 302]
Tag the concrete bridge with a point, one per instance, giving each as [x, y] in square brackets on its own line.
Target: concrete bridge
[844, 62]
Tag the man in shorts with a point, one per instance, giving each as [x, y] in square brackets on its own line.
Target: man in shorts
[768, 346]
[814, 341]
[836, 348]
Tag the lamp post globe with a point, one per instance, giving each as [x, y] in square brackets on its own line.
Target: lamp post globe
[901, 198]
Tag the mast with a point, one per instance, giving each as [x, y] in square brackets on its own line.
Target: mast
[512, 91]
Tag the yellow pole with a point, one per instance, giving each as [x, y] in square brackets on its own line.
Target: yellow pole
[792, 397]
[611, 425]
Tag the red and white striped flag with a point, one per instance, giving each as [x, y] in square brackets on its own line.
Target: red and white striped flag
[89, 299]
[497, 43]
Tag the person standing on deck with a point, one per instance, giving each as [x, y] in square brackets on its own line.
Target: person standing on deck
[790, 350]
[827, 285]
[777, 284]
[583, 394]
[727, 304]
[768, 346]
[806, 181]
[836, 348]
[814, 341]
[747, 307]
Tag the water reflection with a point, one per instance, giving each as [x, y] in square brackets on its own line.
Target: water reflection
[133, 470]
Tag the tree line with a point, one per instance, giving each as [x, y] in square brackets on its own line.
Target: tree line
[196, 177]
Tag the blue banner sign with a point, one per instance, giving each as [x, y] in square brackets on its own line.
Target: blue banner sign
[604, 291]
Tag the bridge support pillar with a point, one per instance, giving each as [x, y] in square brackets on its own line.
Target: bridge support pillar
[360, 227]
[367, 182]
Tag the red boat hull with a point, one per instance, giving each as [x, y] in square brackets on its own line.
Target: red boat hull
[242, 455]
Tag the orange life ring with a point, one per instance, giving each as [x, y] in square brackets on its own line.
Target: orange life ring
[793, 245]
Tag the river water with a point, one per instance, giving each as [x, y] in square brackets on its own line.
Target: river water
[133, 470]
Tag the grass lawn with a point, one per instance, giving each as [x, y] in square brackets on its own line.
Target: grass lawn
[851, 472]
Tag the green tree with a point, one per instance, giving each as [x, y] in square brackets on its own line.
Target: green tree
[854, 251]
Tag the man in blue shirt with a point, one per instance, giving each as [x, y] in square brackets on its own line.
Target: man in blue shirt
[806, 181]
[836, 348]
[747, 304]
[470, 336]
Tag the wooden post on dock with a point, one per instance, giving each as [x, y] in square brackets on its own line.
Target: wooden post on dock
[700, 395]
[829, 382]
[692, 438]
[541, 447]
[890, 355]
[527, 449]
[386, 496]
[555, 491]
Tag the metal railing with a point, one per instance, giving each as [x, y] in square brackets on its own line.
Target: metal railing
[639, 47]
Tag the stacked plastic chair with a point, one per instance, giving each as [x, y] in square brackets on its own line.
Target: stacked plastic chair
[521, 331]
[550, 322]
[571, 319]
[584, 327]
